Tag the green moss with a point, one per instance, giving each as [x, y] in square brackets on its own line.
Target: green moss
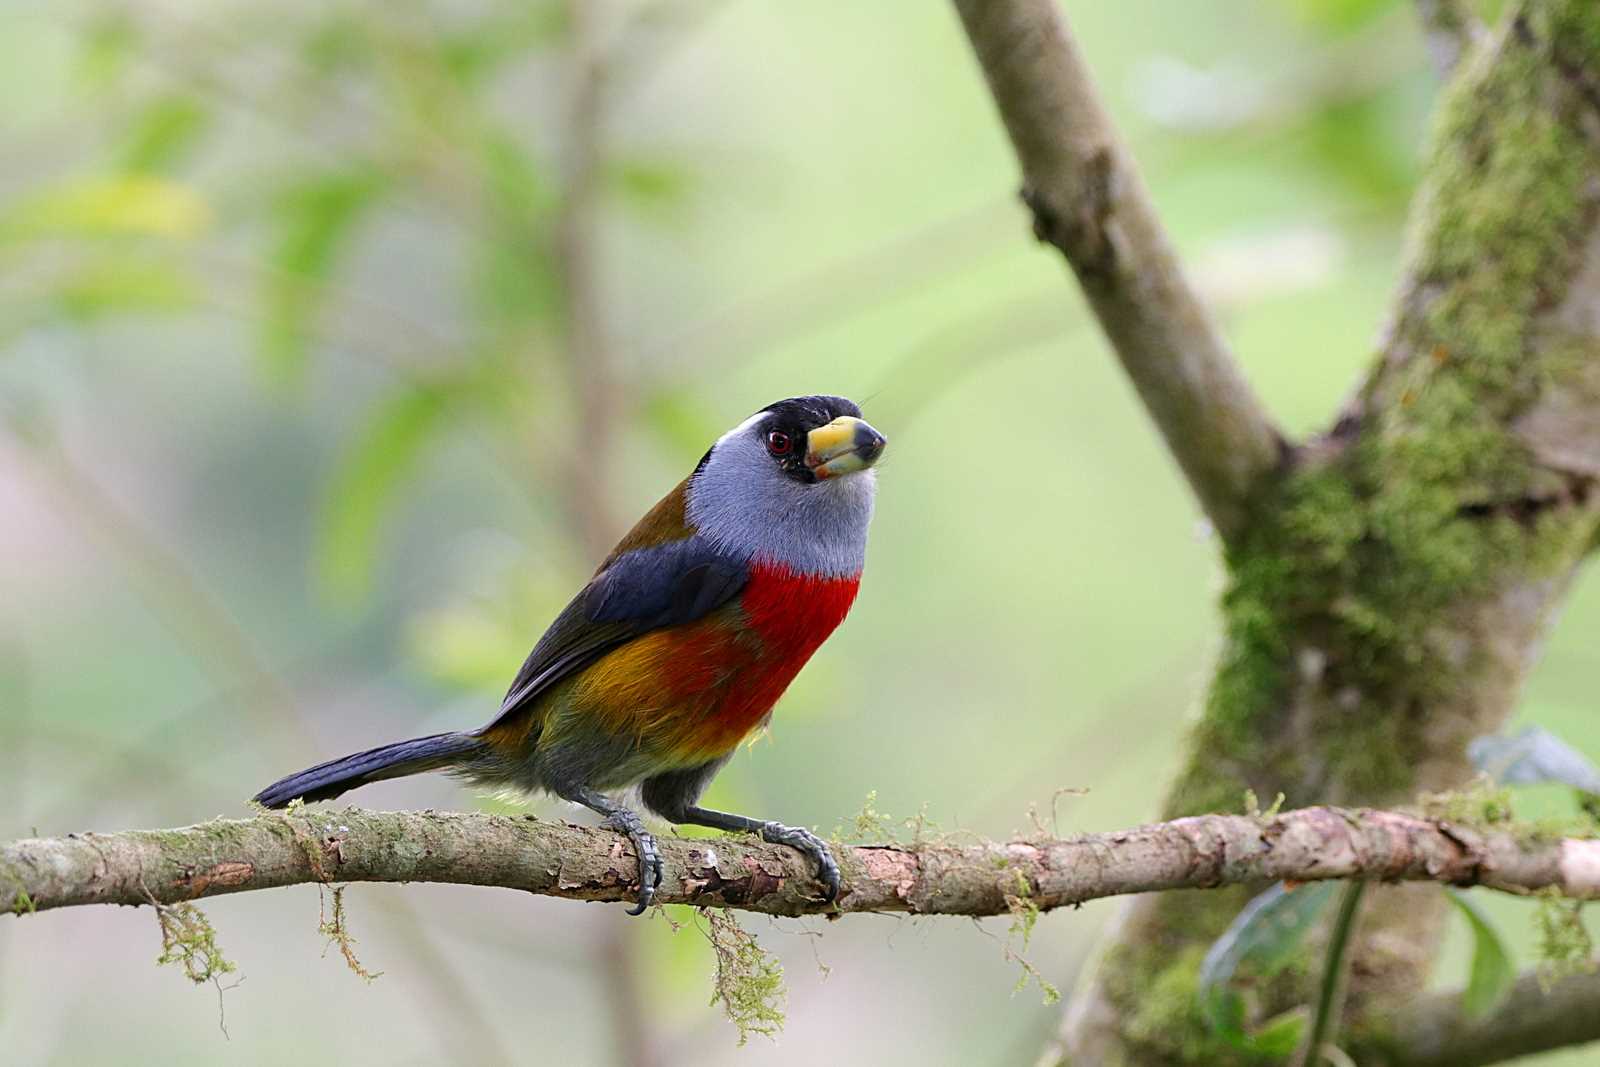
[22, 903]
[1157, 981]
[1163, 1018]
[231, 831]
[870, 825]
[167, 840]
[1252, 805]
[1345, 616]
[748, 981]
[1589, 814]
[1565, 946]
[1481, 804]
[1333, 598]
[1549, 828]
[1024, 916]
[189, 940]
[1372, 755]
[335, 926]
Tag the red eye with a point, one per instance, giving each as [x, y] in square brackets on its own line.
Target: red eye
[779, 443]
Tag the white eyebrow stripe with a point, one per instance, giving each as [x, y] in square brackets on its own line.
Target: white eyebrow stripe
[743, 426]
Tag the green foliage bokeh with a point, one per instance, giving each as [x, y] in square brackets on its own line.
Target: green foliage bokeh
[298, 440]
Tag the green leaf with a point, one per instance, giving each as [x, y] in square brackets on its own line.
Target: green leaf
[1263, 939]
[515, 275]
[480, 50]
[122, 285]
[162, 134]
[108, 40]
[1492, 974]
[1532, 756]
[1339, 14]
[315, 220]
[109, 206]
[383, 455]
[515, 180]
[653, 187]
[1280, 1035]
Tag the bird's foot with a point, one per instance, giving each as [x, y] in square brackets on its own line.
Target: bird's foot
[644, 844]
[804, 840]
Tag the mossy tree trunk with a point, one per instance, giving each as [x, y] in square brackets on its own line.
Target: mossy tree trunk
[1389, 591]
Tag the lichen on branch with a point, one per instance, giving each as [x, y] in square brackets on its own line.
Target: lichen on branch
[311, 846]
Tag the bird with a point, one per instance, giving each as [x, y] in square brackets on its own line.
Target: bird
[679, 646]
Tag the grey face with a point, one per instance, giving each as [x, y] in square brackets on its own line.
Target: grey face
[793, 484]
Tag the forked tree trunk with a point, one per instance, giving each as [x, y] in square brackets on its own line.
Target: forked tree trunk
[1389, 589]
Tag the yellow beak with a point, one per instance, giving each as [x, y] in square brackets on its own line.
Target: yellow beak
[844, 446]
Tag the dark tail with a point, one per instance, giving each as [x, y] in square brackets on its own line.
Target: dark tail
[327, 780]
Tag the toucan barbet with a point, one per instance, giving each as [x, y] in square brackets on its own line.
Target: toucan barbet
[681, 643]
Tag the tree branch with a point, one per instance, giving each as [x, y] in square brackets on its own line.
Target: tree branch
[941, 878]
[1089, 201]
[1538, 1015]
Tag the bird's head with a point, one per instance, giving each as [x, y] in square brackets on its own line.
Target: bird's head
[792, 484]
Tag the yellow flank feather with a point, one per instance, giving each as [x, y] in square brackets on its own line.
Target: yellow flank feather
[678, 691]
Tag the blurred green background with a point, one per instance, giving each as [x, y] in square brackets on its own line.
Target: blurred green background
[337, 340]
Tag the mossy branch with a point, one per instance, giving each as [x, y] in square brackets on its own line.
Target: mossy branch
[1089, 201]
[941, 878]
[1390, 594]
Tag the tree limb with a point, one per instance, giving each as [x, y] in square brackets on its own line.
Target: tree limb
[1089, 201]
[941, 878]
[1538, 1014]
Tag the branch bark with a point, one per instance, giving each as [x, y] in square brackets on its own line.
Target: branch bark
[1089, 201]
[580, 863]
[1538, 1015]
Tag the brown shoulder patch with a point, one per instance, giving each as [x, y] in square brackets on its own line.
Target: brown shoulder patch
[662, 524]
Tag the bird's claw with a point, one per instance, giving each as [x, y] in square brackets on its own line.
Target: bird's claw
[805, 841]
[644, 844]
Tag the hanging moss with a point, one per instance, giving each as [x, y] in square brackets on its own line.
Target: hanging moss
[1024, 916]
[1565, 946]
[748, 980]
[189, 940]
